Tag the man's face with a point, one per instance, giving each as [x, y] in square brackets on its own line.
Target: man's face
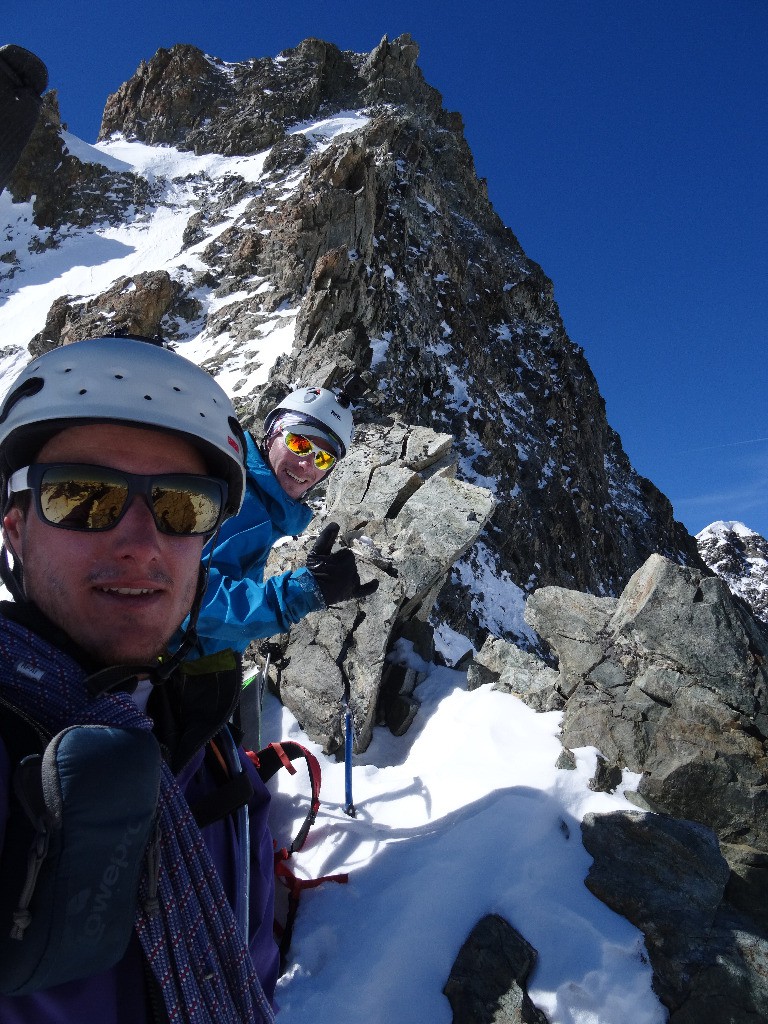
[295, 473]
[122, 593]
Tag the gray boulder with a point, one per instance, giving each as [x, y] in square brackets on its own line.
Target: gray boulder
[669, 878]
[408, 519]
[512, 670]
[487, 984]
[670, 681]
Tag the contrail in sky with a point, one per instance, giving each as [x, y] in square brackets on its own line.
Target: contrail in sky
[728, 444]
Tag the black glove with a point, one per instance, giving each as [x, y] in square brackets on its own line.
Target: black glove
[335, 572]
[23, 77]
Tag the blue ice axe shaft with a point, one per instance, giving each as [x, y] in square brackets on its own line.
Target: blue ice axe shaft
[348, 743]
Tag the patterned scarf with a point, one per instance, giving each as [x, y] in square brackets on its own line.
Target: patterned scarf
[192, 940]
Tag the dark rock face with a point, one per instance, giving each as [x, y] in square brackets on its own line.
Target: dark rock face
[147, 304]
[184, 98]
[669, 879]
[67, 193]
[487, 981]
[383, 244]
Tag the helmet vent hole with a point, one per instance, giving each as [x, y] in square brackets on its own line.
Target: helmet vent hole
[118, 376]
[202, 415]
[175, 388]
[83, 391]
[68, 370]
[147, 398]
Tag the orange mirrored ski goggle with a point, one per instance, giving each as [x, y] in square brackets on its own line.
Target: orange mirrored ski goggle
[302, 446]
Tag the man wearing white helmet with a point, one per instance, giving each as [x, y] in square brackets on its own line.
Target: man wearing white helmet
[303, 439]
[125, 895]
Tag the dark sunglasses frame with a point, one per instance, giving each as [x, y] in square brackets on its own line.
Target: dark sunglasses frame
[32, 478]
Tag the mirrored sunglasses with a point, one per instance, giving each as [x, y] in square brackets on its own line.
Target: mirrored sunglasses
[301, 445]
[94, 498]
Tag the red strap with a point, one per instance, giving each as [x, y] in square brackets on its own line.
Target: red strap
[253, 757]
[295, 886]
[280, 755]
[285, 761]
[268, 762]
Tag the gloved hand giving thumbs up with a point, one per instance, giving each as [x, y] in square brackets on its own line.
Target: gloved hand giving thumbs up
[335, 572]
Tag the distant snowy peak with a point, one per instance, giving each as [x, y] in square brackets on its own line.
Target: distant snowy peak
[740, 557]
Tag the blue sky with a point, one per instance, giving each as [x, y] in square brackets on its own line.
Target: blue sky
[626, 145]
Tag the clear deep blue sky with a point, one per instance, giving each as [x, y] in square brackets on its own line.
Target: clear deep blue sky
[625, 142]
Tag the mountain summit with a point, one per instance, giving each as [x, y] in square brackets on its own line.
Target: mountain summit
[316, 214]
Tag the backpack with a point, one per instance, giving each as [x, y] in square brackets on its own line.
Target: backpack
[72, 911]
[71, 871]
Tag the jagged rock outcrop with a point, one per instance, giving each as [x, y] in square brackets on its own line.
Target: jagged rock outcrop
[673, 679]
[148, 304]
[184, 98]
[408, 517]
[379, 247]
[740, 557]
[487, 981]
[669, 680]
[669, 878]
[67, 193]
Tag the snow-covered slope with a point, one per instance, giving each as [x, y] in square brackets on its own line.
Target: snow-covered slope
[85, 261]
[441, 838]
[740, 557]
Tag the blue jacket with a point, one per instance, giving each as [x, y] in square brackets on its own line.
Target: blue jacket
[239, 604]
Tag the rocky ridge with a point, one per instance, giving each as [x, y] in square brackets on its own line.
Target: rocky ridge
[409, 519]
[670, 681]
[379, 245]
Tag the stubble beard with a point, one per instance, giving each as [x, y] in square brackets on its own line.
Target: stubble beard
[109, 642]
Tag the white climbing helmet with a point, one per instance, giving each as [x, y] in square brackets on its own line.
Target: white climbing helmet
[127, 380]
[320, 407]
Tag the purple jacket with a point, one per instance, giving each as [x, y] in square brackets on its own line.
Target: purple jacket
[119, 995]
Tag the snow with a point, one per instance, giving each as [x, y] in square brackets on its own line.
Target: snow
[496, 600]
[739, 556]
[722, 528]
[380, 347]
[464, 816]
[168, 162]
[323, 132]
[86, 262]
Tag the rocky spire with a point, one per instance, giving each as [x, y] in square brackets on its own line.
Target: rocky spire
[385, 244]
